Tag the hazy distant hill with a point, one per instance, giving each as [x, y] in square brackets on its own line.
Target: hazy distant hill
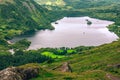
[51, 2]
[76, 4]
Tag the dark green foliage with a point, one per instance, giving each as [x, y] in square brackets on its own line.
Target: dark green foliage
[19, 52]
[115, 28]
[58, 51]
[68, 78]
[76, 4]
[22, 16]
[3, 42]
[89, 22]
[21, 45]
[21, 58]
[82, 49]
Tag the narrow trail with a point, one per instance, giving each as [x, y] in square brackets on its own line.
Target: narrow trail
[111, 77]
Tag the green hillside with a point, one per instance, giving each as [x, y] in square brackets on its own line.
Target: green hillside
[94, 64]
[100, 63]
[20, 16]
[75, 4]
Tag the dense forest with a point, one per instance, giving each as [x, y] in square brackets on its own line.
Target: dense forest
[19, 17]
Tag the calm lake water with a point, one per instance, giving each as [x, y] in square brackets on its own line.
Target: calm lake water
[72, 32]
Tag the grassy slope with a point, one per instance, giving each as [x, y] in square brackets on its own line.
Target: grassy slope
[97, 63]
[94, 64]
[52, 55]
[75, 4]
[19, 16]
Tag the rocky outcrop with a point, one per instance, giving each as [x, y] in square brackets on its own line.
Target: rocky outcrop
[11, 74]
[15, 73]
[65, 67]
[30, 73]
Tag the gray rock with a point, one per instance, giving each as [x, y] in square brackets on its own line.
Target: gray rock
[14, 73]
[10, 74]
[65, 67]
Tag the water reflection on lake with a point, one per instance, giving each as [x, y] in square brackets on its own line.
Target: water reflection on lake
[72, 32]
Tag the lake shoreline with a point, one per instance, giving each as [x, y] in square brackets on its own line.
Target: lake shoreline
[78, 22]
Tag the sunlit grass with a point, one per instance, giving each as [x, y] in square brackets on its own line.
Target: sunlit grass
[52, 55]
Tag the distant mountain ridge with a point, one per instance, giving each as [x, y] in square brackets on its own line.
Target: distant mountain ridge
[51, 2]
[76, 4]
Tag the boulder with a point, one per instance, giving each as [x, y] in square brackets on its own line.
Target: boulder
[65, 67]
[18, 73]
[10, 74]
[30, 73]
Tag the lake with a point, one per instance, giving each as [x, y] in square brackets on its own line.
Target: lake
[72, 32]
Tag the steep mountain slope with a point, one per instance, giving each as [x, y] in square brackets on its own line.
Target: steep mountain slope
[19, 16]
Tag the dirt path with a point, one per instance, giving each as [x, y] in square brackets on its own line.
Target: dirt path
[111, 77]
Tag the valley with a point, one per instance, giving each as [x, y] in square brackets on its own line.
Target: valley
[72, 32]
[29, 19]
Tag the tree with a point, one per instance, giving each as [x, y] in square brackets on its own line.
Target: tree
[21, 45]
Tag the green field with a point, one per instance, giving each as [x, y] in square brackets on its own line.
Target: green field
[52, 55]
